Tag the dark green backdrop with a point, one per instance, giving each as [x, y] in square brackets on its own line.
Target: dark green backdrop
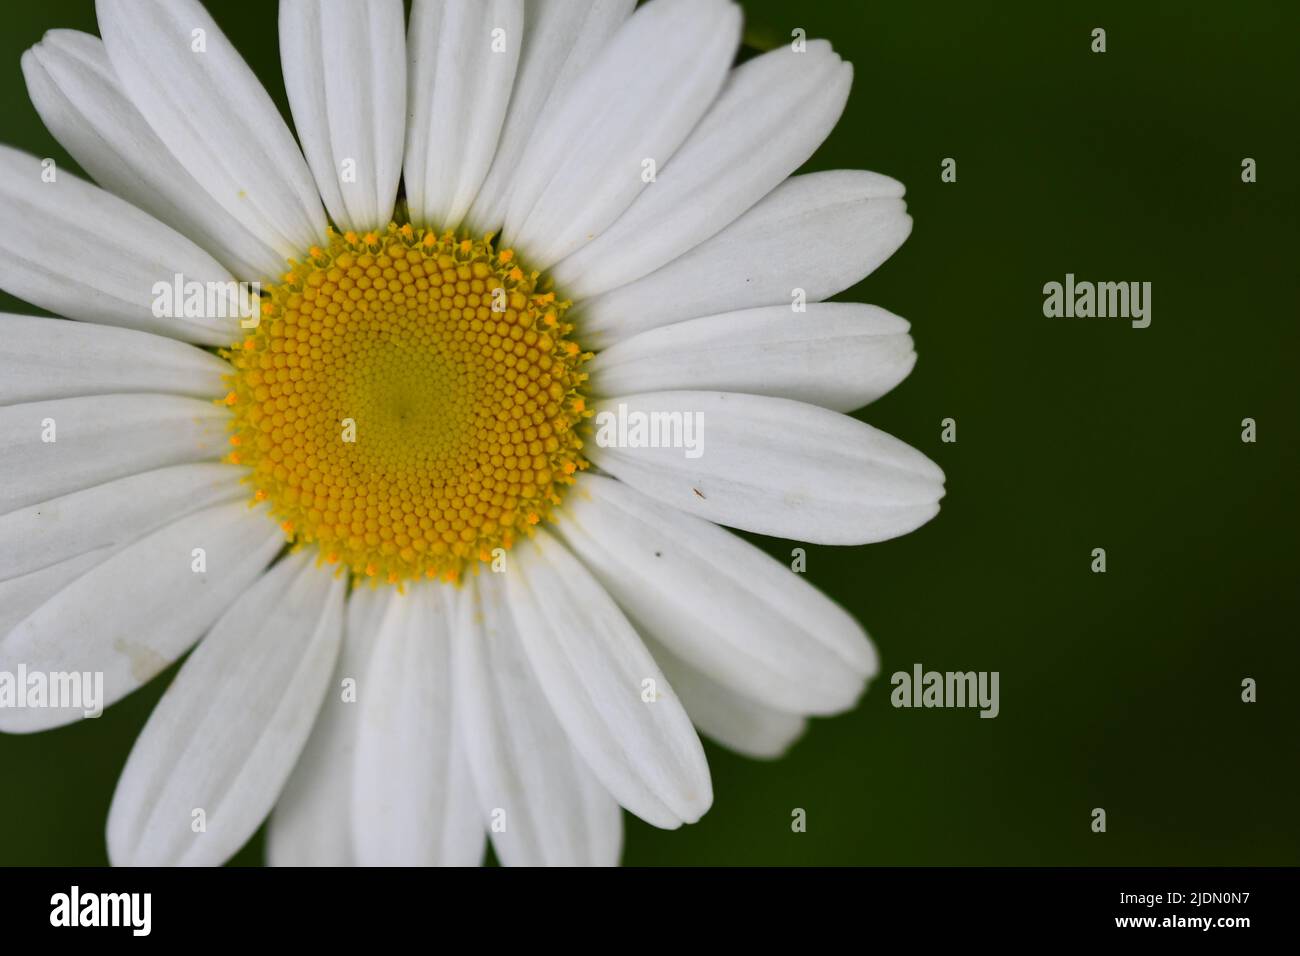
[1119, 690]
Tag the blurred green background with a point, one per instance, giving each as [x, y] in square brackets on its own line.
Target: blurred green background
[1119, 690]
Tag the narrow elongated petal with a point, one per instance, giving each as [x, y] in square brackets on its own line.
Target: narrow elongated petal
[205, 104]
[722, 606]
[53, 358]
[605, 688]
[840, 355]
[413, 800]
[541, 803]
[463, 57]
[145, 605]
[112, 514]
[345, 72]
[637, 102]
[99, 259]
[52, 448]
[811, 237]
[733, 720]
[771, 116]
[21, 595]
[312, 821]
[560, 39]
[769, 465]
[227, 732]
[73, 87]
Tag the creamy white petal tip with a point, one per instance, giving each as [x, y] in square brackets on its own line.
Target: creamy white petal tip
[771, 116]
[605, 689]
[727, 610]
[811, 237]
[840, 355]
[541, 803]
[769, 465]
[737, 722]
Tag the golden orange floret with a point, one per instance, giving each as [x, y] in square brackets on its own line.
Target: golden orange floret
[408, 402]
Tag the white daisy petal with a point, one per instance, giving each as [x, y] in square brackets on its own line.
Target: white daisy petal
[819, 233]
[560, 38]
[52, 448]
[74, 249]
[718, 603]
[312, 821]
[52, 358]
[225, 735]
[21, 595]
[463, 57]
[205, 104]
[593, 669]
[112, 514]
[769, 119]
[413, 801]
[73, 87]
[142, 607]
[638, 101]
[733, 720]
[345, 72]
[840, 355]
[771, 466]
[527, 775]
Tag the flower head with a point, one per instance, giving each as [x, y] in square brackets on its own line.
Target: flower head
[428, 428]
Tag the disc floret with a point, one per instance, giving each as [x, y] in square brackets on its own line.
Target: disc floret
[408, 402]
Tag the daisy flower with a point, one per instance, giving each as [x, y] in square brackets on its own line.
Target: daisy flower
[435, 607]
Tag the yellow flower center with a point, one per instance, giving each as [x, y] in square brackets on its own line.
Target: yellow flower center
[408, 402]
